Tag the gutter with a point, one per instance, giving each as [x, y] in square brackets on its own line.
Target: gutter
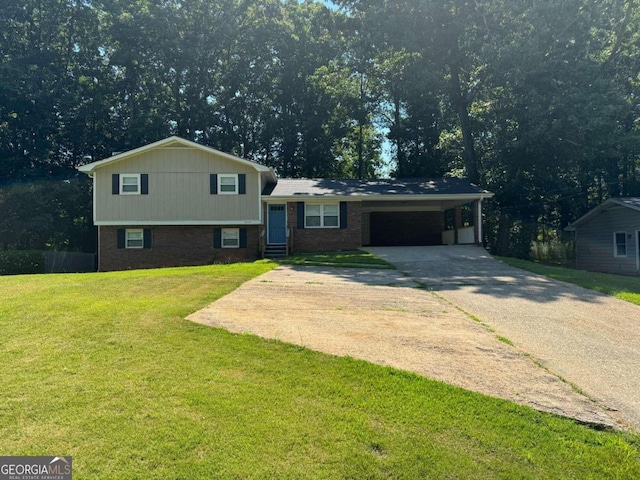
[374, 197]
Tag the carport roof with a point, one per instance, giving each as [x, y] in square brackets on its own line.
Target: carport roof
[415, 187]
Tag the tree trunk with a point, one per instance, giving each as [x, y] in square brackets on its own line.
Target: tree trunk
[504, 232]
[399, 152]
[360, 153]
[361, 120]
[461, 105]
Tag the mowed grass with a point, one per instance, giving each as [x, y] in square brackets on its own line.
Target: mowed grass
[348, 258]
[620, 286]
[104, 367]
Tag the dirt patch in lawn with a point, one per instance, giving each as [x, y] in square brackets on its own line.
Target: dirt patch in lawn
[380, 316]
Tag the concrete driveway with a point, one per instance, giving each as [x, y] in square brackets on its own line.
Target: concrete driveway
[590, 340]
[380, 316]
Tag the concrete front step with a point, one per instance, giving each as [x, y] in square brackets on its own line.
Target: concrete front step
[275, 251]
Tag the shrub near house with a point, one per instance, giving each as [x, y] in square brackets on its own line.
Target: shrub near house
[15, 262]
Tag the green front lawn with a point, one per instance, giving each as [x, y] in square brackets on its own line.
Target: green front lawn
[620, 286]
[351, 258]
[104, 367]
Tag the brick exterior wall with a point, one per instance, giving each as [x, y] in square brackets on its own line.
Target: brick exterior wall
[173, 246]
[327, 239]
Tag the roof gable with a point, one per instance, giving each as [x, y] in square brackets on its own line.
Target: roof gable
[170, 141]
[628, 202]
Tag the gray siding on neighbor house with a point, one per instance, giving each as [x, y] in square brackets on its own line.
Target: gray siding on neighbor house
[179, 190]
[595, 242]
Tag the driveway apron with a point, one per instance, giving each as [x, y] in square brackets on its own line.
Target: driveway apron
[589, 339]
[380, 316]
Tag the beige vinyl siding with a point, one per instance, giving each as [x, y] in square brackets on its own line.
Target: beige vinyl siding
[178, 190]
[595, 241]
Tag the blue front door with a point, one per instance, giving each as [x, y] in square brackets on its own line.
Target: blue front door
[277, 234]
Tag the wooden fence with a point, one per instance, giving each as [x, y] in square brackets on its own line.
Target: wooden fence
[69, 262]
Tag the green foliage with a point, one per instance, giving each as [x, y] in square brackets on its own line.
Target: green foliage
[17, 262]
[104, 367]
[536, 101]
[553, 251]
[48, 215]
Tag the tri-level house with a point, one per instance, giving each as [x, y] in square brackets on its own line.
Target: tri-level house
[175, 202]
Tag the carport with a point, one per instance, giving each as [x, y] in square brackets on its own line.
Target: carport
[402, 222]
[332, 214]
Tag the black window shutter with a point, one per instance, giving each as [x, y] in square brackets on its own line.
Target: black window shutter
[243, 238]
[115, 184]
[120, 241]
[300, 215]
[343, 214]
[144, 184]
[146, 243]
[213, 184]
[242, 183]
[217, 238]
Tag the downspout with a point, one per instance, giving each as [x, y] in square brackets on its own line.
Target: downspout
[98, 252]
[575, 247]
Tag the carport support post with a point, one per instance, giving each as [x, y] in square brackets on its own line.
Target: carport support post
[478, 223]
[458, 222]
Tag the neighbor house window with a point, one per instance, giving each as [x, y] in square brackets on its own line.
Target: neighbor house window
[325, 215]
[230, 238]
[228, 184]
[130, 184]
[620, 244]
[134, 238]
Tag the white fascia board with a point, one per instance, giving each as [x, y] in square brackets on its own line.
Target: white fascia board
[91, 167]
[114, 223]
[368, 198]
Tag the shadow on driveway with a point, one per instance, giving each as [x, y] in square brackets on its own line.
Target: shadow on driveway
[446, 268]
[590, 339]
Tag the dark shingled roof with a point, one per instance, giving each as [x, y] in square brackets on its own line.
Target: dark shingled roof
[303, 187]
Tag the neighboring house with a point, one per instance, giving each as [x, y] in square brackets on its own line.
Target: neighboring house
[608, 237]
[175, 202]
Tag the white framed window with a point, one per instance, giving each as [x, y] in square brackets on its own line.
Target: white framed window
[620, 244]
[130, 184]
[230, 238]
[134, 238]
[228, 184]
[326, 215]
